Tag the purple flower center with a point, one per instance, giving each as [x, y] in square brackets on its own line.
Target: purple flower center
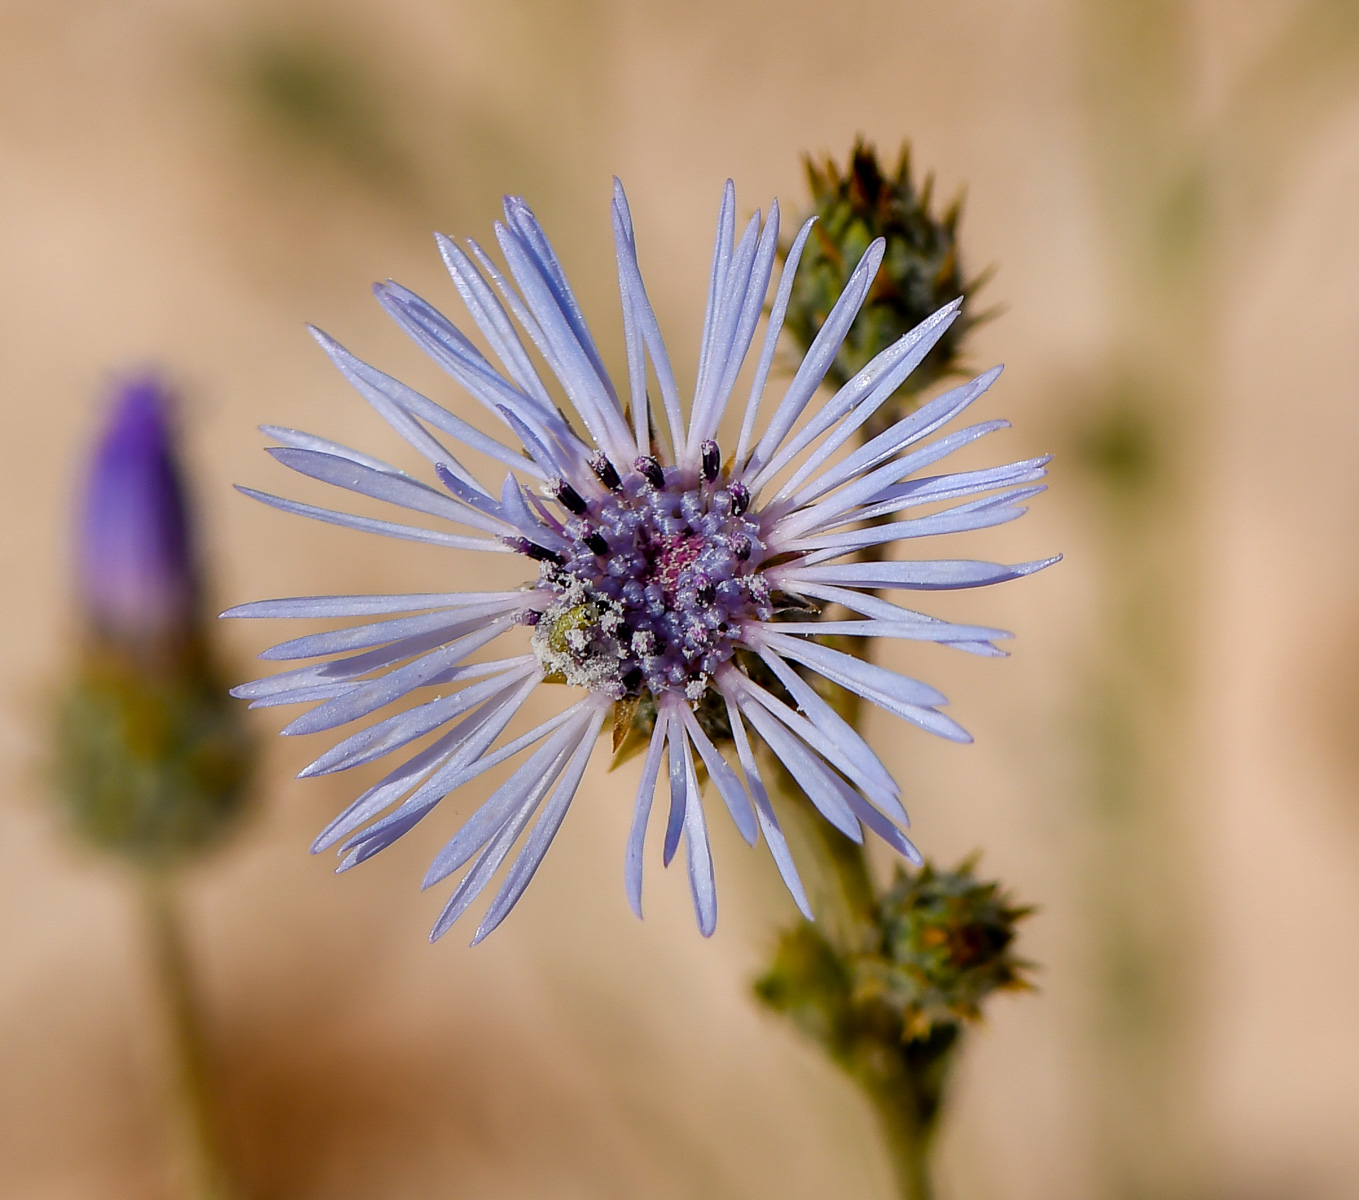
[653, 584]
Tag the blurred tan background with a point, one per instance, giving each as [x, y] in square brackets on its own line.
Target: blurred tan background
[1167, 766]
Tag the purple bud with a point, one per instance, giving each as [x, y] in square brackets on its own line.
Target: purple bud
[135, 567]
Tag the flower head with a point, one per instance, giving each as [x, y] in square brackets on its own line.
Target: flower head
[662, 564]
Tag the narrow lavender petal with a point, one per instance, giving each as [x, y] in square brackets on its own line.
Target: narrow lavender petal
[550, 454]
[887, 612]
[379, 485]
[846, 669]
[839, 742]
[380, 739]
[467, 760]
[524, 867]
[409, 533]
[752, 302]
[426, 630]
[632, 334]
[641, 813]
[430, 330]
[679, 797]
[866, 489]
[339, 669]
[395, 684]
[393, 828]
[391, 786]
[961, 518]
[909, 464]
[769, 823]
[534, 776]
[522, 517]
[379, 633]
[728, 785]
[805, 768]
[524, 223]
[928, 576]
[381, 393]
[771, 340]
[698, 853]
[864, 769]
[569, 349]
[394, 399]
[726, 227]
[820, 355]
[934, 488]
[646, 320]
[357, 606]
[899, 694]
[859, 398]
[710, 399]
[884, 828]
[492, 320]
[507, 293]
[910, 429]
[447, 345]
[299, 440]
[475, 881]
[304, 695]
[474, 497]
[911, 632]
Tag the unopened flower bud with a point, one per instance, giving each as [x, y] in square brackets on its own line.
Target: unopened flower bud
[152, 759]
[921, 269]
[135, 566]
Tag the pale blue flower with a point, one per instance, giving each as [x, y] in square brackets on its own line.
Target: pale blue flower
[656, 557]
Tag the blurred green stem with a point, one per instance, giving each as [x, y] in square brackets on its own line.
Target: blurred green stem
[206, 1176]
[905, 1090]
[908, 1103]
[850, 896]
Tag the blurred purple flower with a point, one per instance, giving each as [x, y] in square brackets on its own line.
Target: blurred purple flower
[136, 565]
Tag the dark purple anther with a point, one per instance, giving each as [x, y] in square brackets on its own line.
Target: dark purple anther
[136, 567]
[595, 540]
[533, 550]
[605, 471]
[712, 460]
[703, 588]
[543, 554]
[568, 497]
[530, 617]
[740, 546]
[650, 469]
[740, 498]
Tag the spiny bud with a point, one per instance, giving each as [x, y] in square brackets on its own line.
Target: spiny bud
[947, 944]
[937, 944]
[921, 269]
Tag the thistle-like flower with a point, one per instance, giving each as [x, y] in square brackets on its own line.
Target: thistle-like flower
[663, 565]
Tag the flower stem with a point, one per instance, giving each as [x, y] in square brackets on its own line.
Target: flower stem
[205, 1173]
[908, 1147]
[904, 1087]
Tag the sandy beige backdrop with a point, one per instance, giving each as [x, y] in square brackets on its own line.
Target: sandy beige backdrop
[178, 186]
